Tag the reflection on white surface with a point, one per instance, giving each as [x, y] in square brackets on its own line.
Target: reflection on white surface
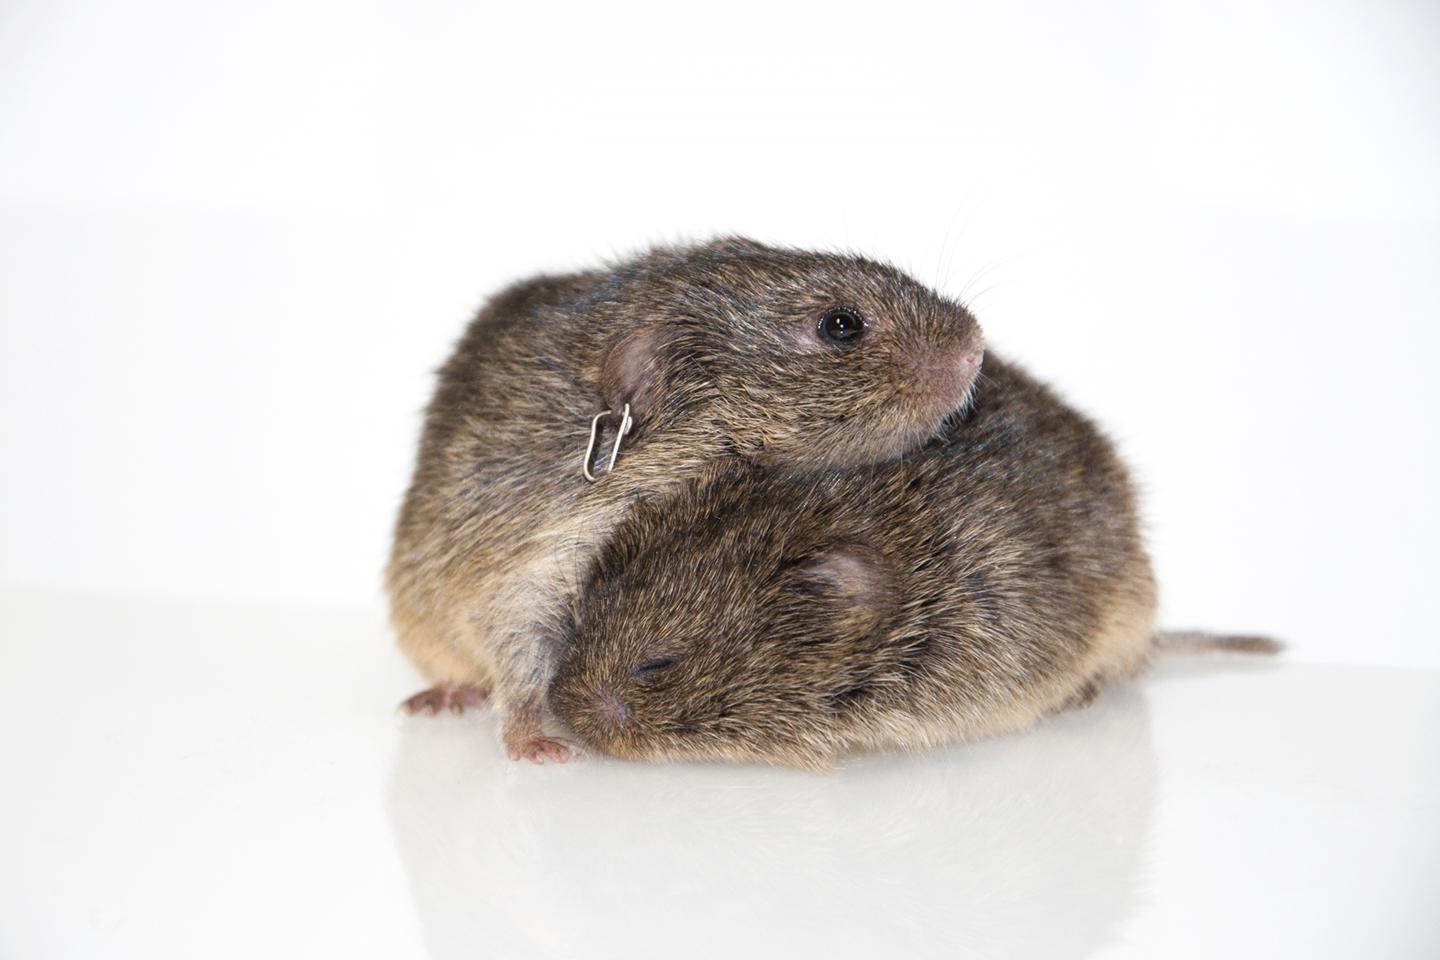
[208, 781]
[958, 849]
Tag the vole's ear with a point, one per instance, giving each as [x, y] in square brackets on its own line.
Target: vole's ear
[854, 577]
[635, 370]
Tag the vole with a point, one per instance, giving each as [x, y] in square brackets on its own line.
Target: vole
[969, 588]
[726, 350]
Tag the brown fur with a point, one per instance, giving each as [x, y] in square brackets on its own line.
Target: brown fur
[967, 589]
[716, 348]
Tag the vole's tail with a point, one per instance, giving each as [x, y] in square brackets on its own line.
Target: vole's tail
[1198, 641]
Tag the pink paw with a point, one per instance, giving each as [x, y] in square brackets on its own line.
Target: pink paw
[539, 749]
[456, 699]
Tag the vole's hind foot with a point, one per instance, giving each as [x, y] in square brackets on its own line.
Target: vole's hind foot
[457, 698]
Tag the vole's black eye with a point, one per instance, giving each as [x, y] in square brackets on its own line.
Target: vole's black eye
[841, 324]
[654, 666]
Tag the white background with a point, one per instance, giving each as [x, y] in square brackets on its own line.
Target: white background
[236, 237]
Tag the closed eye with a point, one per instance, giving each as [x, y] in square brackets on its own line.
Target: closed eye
[650, 667]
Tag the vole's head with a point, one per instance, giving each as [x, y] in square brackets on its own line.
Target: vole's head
[800, 359]
[715, 630]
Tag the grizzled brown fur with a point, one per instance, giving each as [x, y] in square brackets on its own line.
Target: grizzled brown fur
[969, 588]
[716, 348]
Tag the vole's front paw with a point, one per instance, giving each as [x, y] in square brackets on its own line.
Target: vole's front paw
[456, 698]
[538, 749]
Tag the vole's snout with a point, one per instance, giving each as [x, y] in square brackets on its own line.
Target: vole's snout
[967, 365]
[610, 710]
[947, 373]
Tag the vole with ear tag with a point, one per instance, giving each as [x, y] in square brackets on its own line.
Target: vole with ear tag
[643, 375]
[967, 589]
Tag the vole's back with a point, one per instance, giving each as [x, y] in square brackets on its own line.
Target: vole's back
[1025, 563]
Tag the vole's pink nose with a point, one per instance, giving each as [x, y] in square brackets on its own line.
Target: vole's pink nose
[946, 374]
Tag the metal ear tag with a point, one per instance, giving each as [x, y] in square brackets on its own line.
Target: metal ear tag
[626, 422]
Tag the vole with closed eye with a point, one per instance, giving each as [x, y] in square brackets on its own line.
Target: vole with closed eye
[726, 350]
[967, 589]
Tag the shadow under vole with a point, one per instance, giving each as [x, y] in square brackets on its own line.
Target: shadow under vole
[1018, 847]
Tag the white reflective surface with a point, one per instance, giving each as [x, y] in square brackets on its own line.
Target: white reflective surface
[229, 782]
